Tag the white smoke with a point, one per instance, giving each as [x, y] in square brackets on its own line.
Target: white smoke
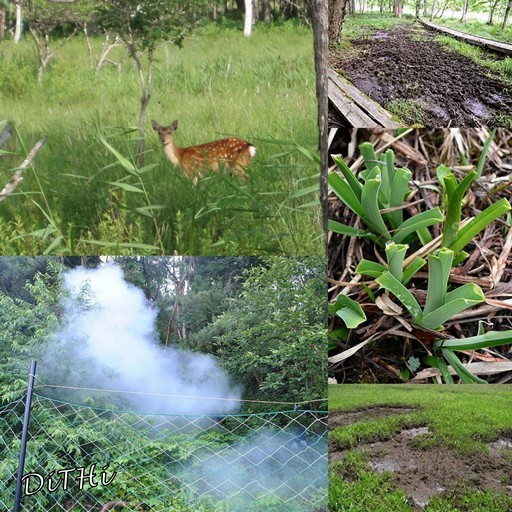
[111, 329]
[284, 465]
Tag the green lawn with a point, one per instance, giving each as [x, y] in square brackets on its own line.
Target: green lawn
[220, 84]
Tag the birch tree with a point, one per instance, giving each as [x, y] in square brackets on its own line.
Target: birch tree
[19, 20]
[248, 18]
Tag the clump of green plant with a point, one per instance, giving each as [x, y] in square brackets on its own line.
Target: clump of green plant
[378, 197]
[395, 256]
[454, 237]
[408, 110]
[380, 186]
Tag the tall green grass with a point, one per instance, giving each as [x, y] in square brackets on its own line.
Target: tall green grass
[479, 28]
[220, 84]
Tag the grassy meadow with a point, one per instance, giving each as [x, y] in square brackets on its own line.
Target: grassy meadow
[80, 197]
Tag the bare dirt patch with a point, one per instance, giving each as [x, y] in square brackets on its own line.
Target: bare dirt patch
[405, 63]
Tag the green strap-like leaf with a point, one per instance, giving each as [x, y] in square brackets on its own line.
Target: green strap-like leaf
[369, 155]
[370, 204]
[349, 311]
[470, 291]
[413, 267]
[487, 340]
[445, 372]
[483, 154]
[349, 176]
[421, 220]
[395, 255]
[342, 189]
[370, 268]
[399, 189]
[466, 376]
[468, 296]
[127, 165]
[388, 282]
[388, 174]
[343, 229]
[480, 222]
[439, 266]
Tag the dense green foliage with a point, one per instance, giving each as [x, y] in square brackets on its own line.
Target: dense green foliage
[263, 319]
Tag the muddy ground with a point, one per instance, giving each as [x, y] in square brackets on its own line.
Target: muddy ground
[424, 472]
[404, 62]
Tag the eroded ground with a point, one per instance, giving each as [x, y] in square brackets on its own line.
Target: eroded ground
[405, 63]
[420, 465]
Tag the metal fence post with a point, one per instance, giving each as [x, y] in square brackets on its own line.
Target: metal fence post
[24, 435]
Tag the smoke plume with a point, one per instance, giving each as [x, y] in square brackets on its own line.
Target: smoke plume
[109, 340]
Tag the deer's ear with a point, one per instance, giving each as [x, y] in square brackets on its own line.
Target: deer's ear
[155, 125]
[174, 125]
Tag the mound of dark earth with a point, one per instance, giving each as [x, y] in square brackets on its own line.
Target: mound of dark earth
[405, 63]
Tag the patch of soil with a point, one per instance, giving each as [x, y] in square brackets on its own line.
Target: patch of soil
[406, 63]
[340, 418]
[424, 473]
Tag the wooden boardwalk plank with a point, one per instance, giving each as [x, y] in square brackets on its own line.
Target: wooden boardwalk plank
[360, 110]
[348, 109]
[496, 46]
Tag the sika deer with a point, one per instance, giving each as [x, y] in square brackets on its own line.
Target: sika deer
[229, 153]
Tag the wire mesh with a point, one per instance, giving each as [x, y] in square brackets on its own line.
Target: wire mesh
[84, 458]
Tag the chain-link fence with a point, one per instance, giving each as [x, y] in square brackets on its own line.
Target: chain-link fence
[87, 458]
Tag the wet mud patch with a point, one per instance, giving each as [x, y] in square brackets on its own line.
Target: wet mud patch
[425, 472]
[405, 63]
[341, 418]
[502, 446]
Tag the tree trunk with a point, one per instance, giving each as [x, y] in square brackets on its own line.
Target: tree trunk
[418, 7]
[2, 23]
[145, 85]
[397, 8]
[255, 11]
[44, 52]
[507, 14]
[248, 18]
[337, 10]
[433, 9]
[267, 13]
[19, 16]
[320, 28]
[464, 11]
[443, 8]
[491, 14]
[381, 8]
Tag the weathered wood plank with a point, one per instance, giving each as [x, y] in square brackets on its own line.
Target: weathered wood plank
[372, 108]
[496, 46]
[365, 112]
[348, 109]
